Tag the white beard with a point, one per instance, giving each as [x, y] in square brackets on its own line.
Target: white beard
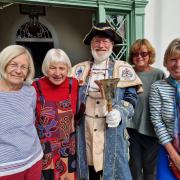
[101, 55]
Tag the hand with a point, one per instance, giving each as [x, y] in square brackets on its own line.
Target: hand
[176, 160]
[113, 118]
[174, 156]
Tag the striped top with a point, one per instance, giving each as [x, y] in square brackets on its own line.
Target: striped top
[162, 98]
[19, 143]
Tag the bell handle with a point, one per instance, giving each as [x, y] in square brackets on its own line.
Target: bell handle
[109, 106]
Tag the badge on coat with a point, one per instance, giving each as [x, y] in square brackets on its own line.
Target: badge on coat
[126, 74]
[79, 72]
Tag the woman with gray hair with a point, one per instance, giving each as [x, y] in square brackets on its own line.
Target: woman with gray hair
[56, 106]
[20, 149]
[165, 115]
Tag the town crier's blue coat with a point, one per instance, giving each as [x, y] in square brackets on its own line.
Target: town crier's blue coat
[115, 166]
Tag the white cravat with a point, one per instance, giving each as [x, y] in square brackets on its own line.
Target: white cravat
[98, 71]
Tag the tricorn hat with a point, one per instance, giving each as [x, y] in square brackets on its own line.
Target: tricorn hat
[103, 29]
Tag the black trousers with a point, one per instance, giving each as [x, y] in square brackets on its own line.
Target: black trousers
[93, 175]
[143, 152]
[48, 174]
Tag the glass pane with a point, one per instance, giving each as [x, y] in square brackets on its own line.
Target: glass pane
[119, 22]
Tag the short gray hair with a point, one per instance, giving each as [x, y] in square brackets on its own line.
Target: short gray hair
[11, 52]
[54, 56]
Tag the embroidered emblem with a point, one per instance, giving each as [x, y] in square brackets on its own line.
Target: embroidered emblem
[79, 72]
[126, 104]
[126, 74]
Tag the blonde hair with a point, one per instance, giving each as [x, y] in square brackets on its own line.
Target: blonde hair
[11, 52]
[172, 49]
[137, 46]
[54, 56]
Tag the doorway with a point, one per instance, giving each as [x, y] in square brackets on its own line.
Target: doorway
[38, 51]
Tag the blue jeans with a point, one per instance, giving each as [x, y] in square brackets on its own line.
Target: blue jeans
[143, 155]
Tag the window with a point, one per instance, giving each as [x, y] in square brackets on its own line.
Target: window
[120, 23]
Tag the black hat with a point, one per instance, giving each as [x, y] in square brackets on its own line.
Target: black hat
[103, 29]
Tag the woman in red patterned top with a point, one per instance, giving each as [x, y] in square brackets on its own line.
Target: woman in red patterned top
[56, 106]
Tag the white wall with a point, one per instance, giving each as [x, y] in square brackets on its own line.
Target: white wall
[162, 25]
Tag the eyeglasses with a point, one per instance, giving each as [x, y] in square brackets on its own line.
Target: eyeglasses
[15, 66]
[142, 54]
[105, 42]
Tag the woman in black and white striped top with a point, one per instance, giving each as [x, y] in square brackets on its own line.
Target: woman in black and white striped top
[165, 114]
